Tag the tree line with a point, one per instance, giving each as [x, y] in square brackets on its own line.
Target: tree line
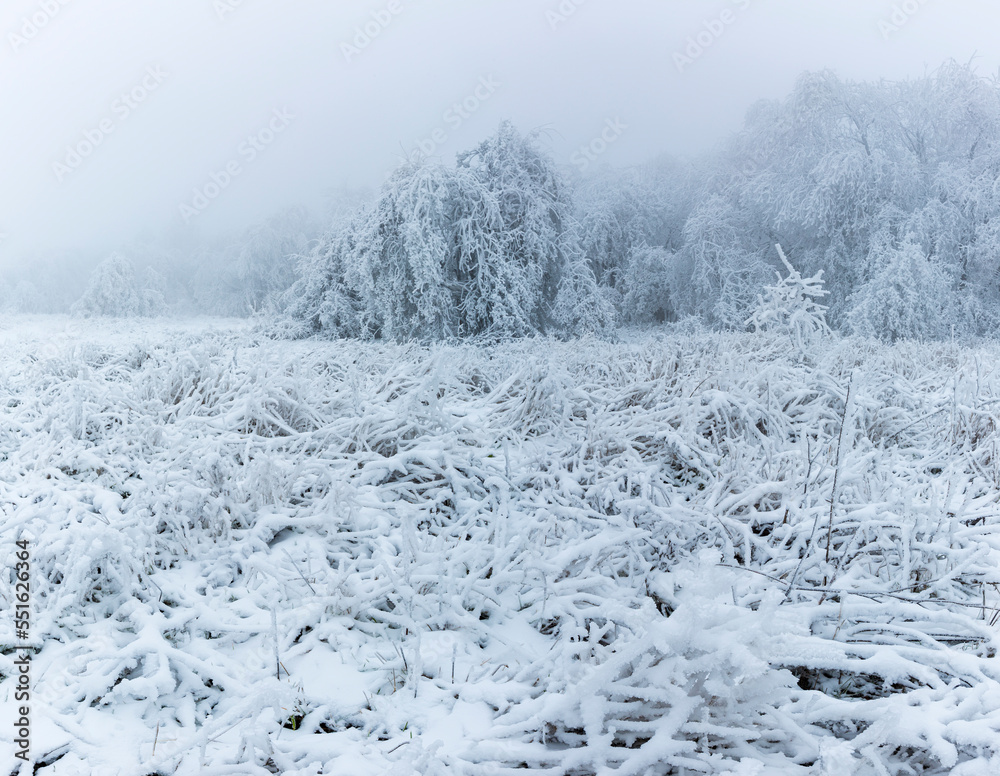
[891, 189]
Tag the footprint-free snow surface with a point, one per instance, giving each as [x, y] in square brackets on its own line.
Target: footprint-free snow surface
[678, 554]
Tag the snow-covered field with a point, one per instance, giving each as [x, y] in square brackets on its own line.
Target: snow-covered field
[683, 553]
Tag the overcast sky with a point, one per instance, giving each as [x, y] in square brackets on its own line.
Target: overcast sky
[115, 114]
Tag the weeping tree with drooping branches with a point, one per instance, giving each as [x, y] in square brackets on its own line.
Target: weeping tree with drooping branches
[485, 248]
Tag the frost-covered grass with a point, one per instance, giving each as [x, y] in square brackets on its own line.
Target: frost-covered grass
[677, 554]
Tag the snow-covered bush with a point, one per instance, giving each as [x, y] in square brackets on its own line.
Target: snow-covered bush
[790, 308]
[115, 291]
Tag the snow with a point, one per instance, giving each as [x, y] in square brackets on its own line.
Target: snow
[581, 557]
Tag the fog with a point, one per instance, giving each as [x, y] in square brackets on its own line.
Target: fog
[476, 386]
[117, 115]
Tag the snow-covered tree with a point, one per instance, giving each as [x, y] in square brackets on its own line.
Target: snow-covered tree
[650, 286]
[582, 306]
[115, 291]
[267, 255]
[247, 273]
[23, 297]
[152, 290]
[908, 297]
[617, 212]
[723, 264]
[841, 167]
[513, 235]
[399, 259]
[477, 249]
[839, 173]
[321, 303]
[215, 286]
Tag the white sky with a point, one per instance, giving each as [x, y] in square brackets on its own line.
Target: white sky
[353, 120]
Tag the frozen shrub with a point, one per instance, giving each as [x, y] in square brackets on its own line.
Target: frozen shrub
[791, 308]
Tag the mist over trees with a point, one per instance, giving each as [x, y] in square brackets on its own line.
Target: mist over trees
[889, 188]
[245, 276]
